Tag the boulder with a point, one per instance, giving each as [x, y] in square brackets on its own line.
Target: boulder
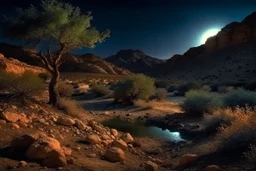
[150, 166]
[114, 154]
[67, 151]
[187, 159]
[23, 142]
[22, 164]
[127, 138]
[80, 124]
[120, 144]
[65, 121]
[212, 168]
[2, 122]
[93, 139]
[55, 159]
[11, 116]
[114, 132]
[40, 149]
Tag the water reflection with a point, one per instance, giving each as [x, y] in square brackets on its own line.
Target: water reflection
[139, 130]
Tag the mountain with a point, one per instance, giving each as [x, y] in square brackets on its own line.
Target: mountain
[135, 61]
[87, 63]
[230, 56]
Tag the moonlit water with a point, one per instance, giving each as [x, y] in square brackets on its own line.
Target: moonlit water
[139, 130]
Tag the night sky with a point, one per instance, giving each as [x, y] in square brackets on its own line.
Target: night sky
[160, 28]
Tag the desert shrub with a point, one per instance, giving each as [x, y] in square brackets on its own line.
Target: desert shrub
[221, 117]
[134, 87]
[240, 98]
[240, 134]
[206, 88]
[71, 107]
[21, 87]
[161, 93]
[225, 89]
[198, 102]
[65, 89]
[44, 75]
[251, 154]
[162, 83]
[100, 90]
[185, 87]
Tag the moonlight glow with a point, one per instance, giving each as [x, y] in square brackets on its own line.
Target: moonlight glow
[207, 34]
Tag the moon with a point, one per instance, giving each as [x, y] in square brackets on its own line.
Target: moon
[207, 34]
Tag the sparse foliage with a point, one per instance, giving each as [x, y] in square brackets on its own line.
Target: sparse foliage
[65, 89]
[161, 93]
[21, 87]
[71, 107]
[100, 90]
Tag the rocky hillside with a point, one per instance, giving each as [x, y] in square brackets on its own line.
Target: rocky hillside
[230, 56]
[14, 66]
[134, 60]
[87, 63]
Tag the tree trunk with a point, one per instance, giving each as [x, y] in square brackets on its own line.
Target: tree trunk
[54, 95]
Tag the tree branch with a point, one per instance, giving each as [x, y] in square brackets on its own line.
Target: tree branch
[46, 62]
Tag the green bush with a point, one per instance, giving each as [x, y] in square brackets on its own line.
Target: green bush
[161, 93]
[65, 89]
[225, 89]
[198, 102]
[44, 75]
[100, 90]
[162, 83]
[240, 98]
[134, 87]
[21, 87]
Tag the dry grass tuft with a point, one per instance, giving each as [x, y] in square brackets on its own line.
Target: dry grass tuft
[71, 107]
[251, 154]
[241, 132]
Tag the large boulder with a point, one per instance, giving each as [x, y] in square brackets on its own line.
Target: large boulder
[55, 159]
[80, 125]
[23, 142]
[114, 154]
[212, 168]
[41, 148]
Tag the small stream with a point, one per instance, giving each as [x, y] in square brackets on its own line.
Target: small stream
[140, 130]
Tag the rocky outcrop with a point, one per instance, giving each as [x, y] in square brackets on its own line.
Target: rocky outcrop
[11, 65]
[134, 60]
[87, 63]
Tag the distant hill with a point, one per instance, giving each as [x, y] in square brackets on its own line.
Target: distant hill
[135, 61]
[87, 63]
[230, 56]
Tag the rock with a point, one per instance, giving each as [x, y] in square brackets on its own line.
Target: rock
[40, 149]
[137, 143]
[114, 154]
[150, 166]
[114, 132]
[93, 139]
[187, 159]
[15, 126]
[2, 122]
[127, 138]
[106, 142]
[71, 161]
[120, 144]
[10, 116]
[91, 155]
[65, 121]
[67, 151]
[23, 142]
[80, 125]
[212, 168]
[22, 164]
[55, 159]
